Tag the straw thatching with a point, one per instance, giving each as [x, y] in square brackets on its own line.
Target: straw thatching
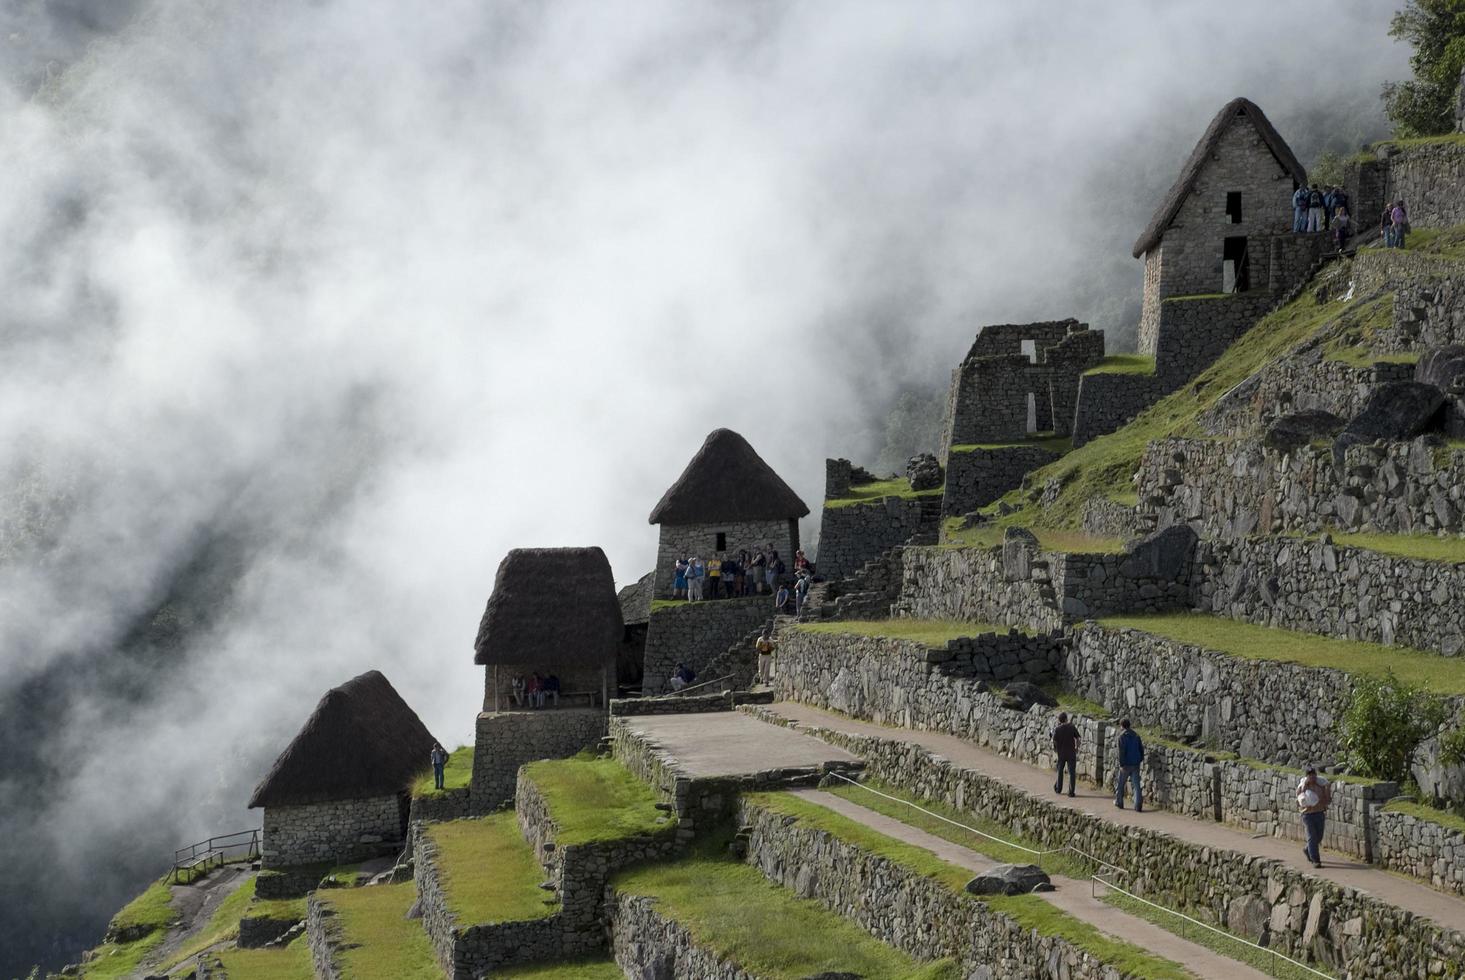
[361, 741]
[635, 600]
[1231, 112]
[727, 481]
[554, 607]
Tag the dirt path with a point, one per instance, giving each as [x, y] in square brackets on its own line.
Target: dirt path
[1071, 895]
[1416, 897]
[195, 904]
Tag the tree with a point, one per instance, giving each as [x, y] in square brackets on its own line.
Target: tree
[1385, 721]
[1425, 105]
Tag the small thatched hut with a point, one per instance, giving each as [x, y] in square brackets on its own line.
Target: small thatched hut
[552, 611]
[726, 500]
[340, 790]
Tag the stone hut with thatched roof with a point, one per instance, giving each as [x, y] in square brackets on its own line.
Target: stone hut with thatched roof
[553, 611]
[340, 790]
[1224, 228]
[727, 499]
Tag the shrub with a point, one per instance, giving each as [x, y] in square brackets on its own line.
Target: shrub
[1385, 722]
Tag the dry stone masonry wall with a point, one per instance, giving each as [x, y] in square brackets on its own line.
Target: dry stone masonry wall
[652, 946]
[1422, 848]
[977, 477]
[1106, 402]
[697, 633]
[851, 535]
[339, 831]
[506, 740]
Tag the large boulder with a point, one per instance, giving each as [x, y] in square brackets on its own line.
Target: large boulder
[1010, 879]
[924, 472]
[1300, 428]
[1396, 410]
[1443, 367]
[1020, 696]
[1164, 555]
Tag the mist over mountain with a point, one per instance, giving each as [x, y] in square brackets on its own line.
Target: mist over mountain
[312, 311]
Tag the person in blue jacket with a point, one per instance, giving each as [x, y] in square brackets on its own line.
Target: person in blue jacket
[1131, 754]
[1299, 208]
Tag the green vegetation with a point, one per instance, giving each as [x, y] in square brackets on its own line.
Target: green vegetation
[659, 604]
[1030, 911]
[1049, 538]
[593, 799]
[489, 871]
[932, 632]
[732, 910]
[568, 970]
[289, 963]
[457, 774]
[1430, 671]
[1223, 943]
[1425, 104]
[1444, 818]
[1076, 704]
[1125, 364]
[879, 490]
[1042, 440]
[146, 918]
[380, 942]
[223, 925]
[1426, 547]
[1384, 723]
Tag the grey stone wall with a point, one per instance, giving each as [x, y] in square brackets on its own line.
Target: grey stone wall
[904, 909]
[696, 633]
[322, 937]
[256, 931]
[692, 704]
[452, 804]
[1107, 402]
[339, 831]
[507, 740]
[1193, 332]
[649, 944]
[977, 477]
[1423, 849]
[1304, 379]
[1301, 915]
[1431, 180]
[1107, 518]
[1067, 361]
[852, 535]
[700, 540]
[1320, 587]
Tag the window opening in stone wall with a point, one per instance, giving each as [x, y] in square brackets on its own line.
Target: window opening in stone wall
[1032, 413]
[1030, 350]
[1233, 206]
[1235, 268]
[721, 541]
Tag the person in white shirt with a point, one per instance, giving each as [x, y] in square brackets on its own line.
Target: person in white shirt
[1314, 793]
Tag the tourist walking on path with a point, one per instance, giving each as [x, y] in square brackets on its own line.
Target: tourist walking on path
[439, 760]
[679, 584]
[1131, 754]
[1314, 793]
[695, 573]
[1314, 209]
[765, 647]
[1342, 229]
[1065, 744]
[1299, 208]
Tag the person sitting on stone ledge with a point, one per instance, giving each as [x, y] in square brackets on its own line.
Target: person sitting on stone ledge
[551, 690]
[516, 689]
[683, 676]
[532, 691]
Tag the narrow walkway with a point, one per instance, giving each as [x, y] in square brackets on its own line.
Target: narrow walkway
[1416, 897]
[731, 743]
[1070, 895]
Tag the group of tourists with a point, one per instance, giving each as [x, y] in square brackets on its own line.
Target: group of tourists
[1317, 208]
[534, 691]
[1314, 792]
[745, 573]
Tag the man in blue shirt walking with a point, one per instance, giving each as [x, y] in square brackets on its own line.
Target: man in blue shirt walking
[1131, 754]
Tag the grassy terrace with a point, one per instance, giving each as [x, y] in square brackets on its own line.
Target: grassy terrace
[223, 925]
[736, 913]
[879, 490]
[489, 871]
[1031, 911]
[568, 970]
[1430, 671]
[595, 799]
[379, 941]
[290, 963]
[457, 774]
[152, 911]
[1125, 364]
[932, 632]
[1425, 547]
[1042, 440]
[1049, 539]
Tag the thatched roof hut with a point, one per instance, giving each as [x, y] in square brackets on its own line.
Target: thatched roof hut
[551, 606]
[361, 741]
[1232, 113]
[727, 481]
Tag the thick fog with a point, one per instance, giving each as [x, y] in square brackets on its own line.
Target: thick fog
[309, 312]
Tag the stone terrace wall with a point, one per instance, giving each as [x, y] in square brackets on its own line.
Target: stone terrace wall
[692, 704]
[321, 938]
[1193, 332]
[648, 944]
[509, 739]
[1297, 913]
[1422, 848]
[976, 477]
[1233, 489]
[1107, 518]
[1304, 379]
[696, 633]
[906, 910]
[1106, 402]
[452, 804]
[1431, 180]
[855, 534]
[1277, 712]
[1320, 587]
[339, 831]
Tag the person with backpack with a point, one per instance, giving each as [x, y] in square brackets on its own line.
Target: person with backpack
[1314, 209]
[1299, 209]
[1314, 793]
[801, 591]
[1065, 746]
[1341, 200]
[1131, 754]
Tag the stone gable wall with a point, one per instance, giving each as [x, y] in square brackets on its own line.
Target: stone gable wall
[697, 633]
[700, 541]
[338, 831]
[852, 535]
[989, 401]
[506, 740]
[977, 477]
[1068, 360]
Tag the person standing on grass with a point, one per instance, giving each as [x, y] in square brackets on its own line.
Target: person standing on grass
[1065, 745]
[1314, 793]
[439, 761]
[1399, 219]
[1131, 754]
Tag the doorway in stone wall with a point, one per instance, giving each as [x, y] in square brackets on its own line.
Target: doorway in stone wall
[1235, 268]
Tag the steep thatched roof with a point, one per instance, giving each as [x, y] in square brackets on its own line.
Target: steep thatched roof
[635, 600]
[362, 740]
[727, 481]
[551, 606]
[1232, 111]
